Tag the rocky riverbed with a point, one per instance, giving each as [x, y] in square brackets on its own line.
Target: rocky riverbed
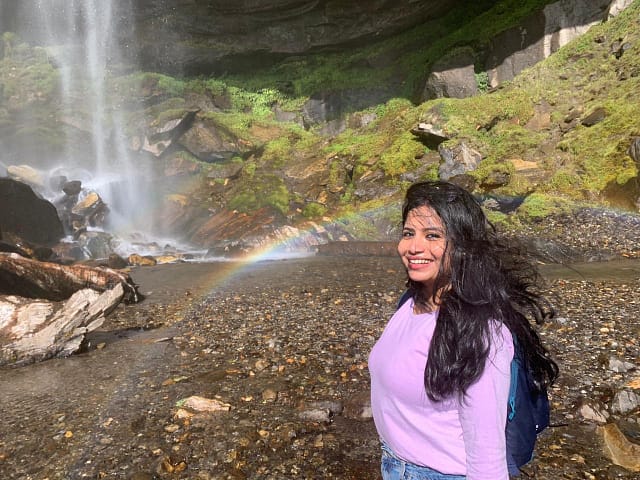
[259, 371]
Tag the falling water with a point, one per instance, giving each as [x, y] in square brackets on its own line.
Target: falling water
[81, 39]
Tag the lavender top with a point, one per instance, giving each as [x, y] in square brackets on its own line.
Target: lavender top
[459, 438]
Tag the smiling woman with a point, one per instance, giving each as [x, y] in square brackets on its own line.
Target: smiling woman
[440, 372]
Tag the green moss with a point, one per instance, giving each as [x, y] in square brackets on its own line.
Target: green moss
[562, 180]
[171, 86]
[501, 220]
[363, 226]
[26, 76]
[277, 152]
[215, 86]
[249, 168]
[313, 210]
[260, 103]
[482, 81]
[262, 191]
[401, 155]
[538, 206]
[168, 115]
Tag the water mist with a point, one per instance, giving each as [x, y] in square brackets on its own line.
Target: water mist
[81, 40]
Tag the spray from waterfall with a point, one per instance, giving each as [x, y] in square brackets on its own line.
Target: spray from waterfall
[80, 37]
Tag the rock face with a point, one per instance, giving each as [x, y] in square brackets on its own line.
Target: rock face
[29, 217]
[250, 33]
[202, 36]
[541, 35]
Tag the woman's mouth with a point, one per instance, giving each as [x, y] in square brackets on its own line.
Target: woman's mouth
[419, 261]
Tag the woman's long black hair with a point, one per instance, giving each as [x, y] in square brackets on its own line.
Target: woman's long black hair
[483, 279]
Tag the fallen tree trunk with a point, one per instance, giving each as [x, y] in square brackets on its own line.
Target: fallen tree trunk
[34, 279]
[34, 330]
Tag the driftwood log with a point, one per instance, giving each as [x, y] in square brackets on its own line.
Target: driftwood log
[34, 279]
[46, 309]
[34, 330]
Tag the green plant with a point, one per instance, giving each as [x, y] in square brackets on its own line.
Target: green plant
[261, 191]
[277, 152]
[537, 206]
[482, 81]
[314, 210]
[249, 168]
[401, 155]
[171, 86]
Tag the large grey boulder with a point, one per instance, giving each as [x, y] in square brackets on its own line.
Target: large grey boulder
[453, 76]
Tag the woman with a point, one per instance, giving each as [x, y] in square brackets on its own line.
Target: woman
[440, 372]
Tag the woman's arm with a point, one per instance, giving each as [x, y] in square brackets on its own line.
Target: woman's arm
[483, 413]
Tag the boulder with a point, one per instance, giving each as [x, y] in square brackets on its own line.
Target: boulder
[160, 138]
[453, 76]
[24, 214]
[91, 209]
[430, 135]
[634, 150]
[210, 143]
[458, 159]
[26, 174]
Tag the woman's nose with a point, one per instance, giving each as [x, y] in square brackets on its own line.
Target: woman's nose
[416, 245]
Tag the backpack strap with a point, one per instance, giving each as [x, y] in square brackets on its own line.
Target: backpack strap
[403, 299]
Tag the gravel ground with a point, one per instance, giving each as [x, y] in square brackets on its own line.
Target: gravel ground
[278, 352]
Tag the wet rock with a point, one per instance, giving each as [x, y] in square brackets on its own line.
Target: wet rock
[619, 449]
[358, 406]
[202, 404]
[625, 401]
[594, 411]
[30, 217]
[91, 209]
[620, 366]
[116, 261]
[458, 159]
[98, 244]
[431, 136]
[596, 116]
[74, 187]
[139, 260]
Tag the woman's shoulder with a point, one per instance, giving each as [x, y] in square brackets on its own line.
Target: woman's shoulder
[501, 338]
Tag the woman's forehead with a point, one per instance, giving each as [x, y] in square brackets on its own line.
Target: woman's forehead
[425, 217]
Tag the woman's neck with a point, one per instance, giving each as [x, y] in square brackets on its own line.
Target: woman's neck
[430, 304]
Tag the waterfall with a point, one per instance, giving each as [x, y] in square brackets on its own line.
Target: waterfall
[81, 39]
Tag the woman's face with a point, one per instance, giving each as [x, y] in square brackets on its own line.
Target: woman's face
[422, 246]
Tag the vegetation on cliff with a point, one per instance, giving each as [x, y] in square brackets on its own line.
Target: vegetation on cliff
[531, 133]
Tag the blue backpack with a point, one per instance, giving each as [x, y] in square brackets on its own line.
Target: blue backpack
[527, 413]
[527, 410]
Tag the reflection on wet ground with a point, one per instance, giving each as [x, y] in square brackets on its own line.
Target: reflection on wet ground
[614, 270]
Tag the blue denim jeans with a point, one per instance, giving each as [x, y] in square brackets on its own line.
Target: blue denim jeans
[393, 468]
